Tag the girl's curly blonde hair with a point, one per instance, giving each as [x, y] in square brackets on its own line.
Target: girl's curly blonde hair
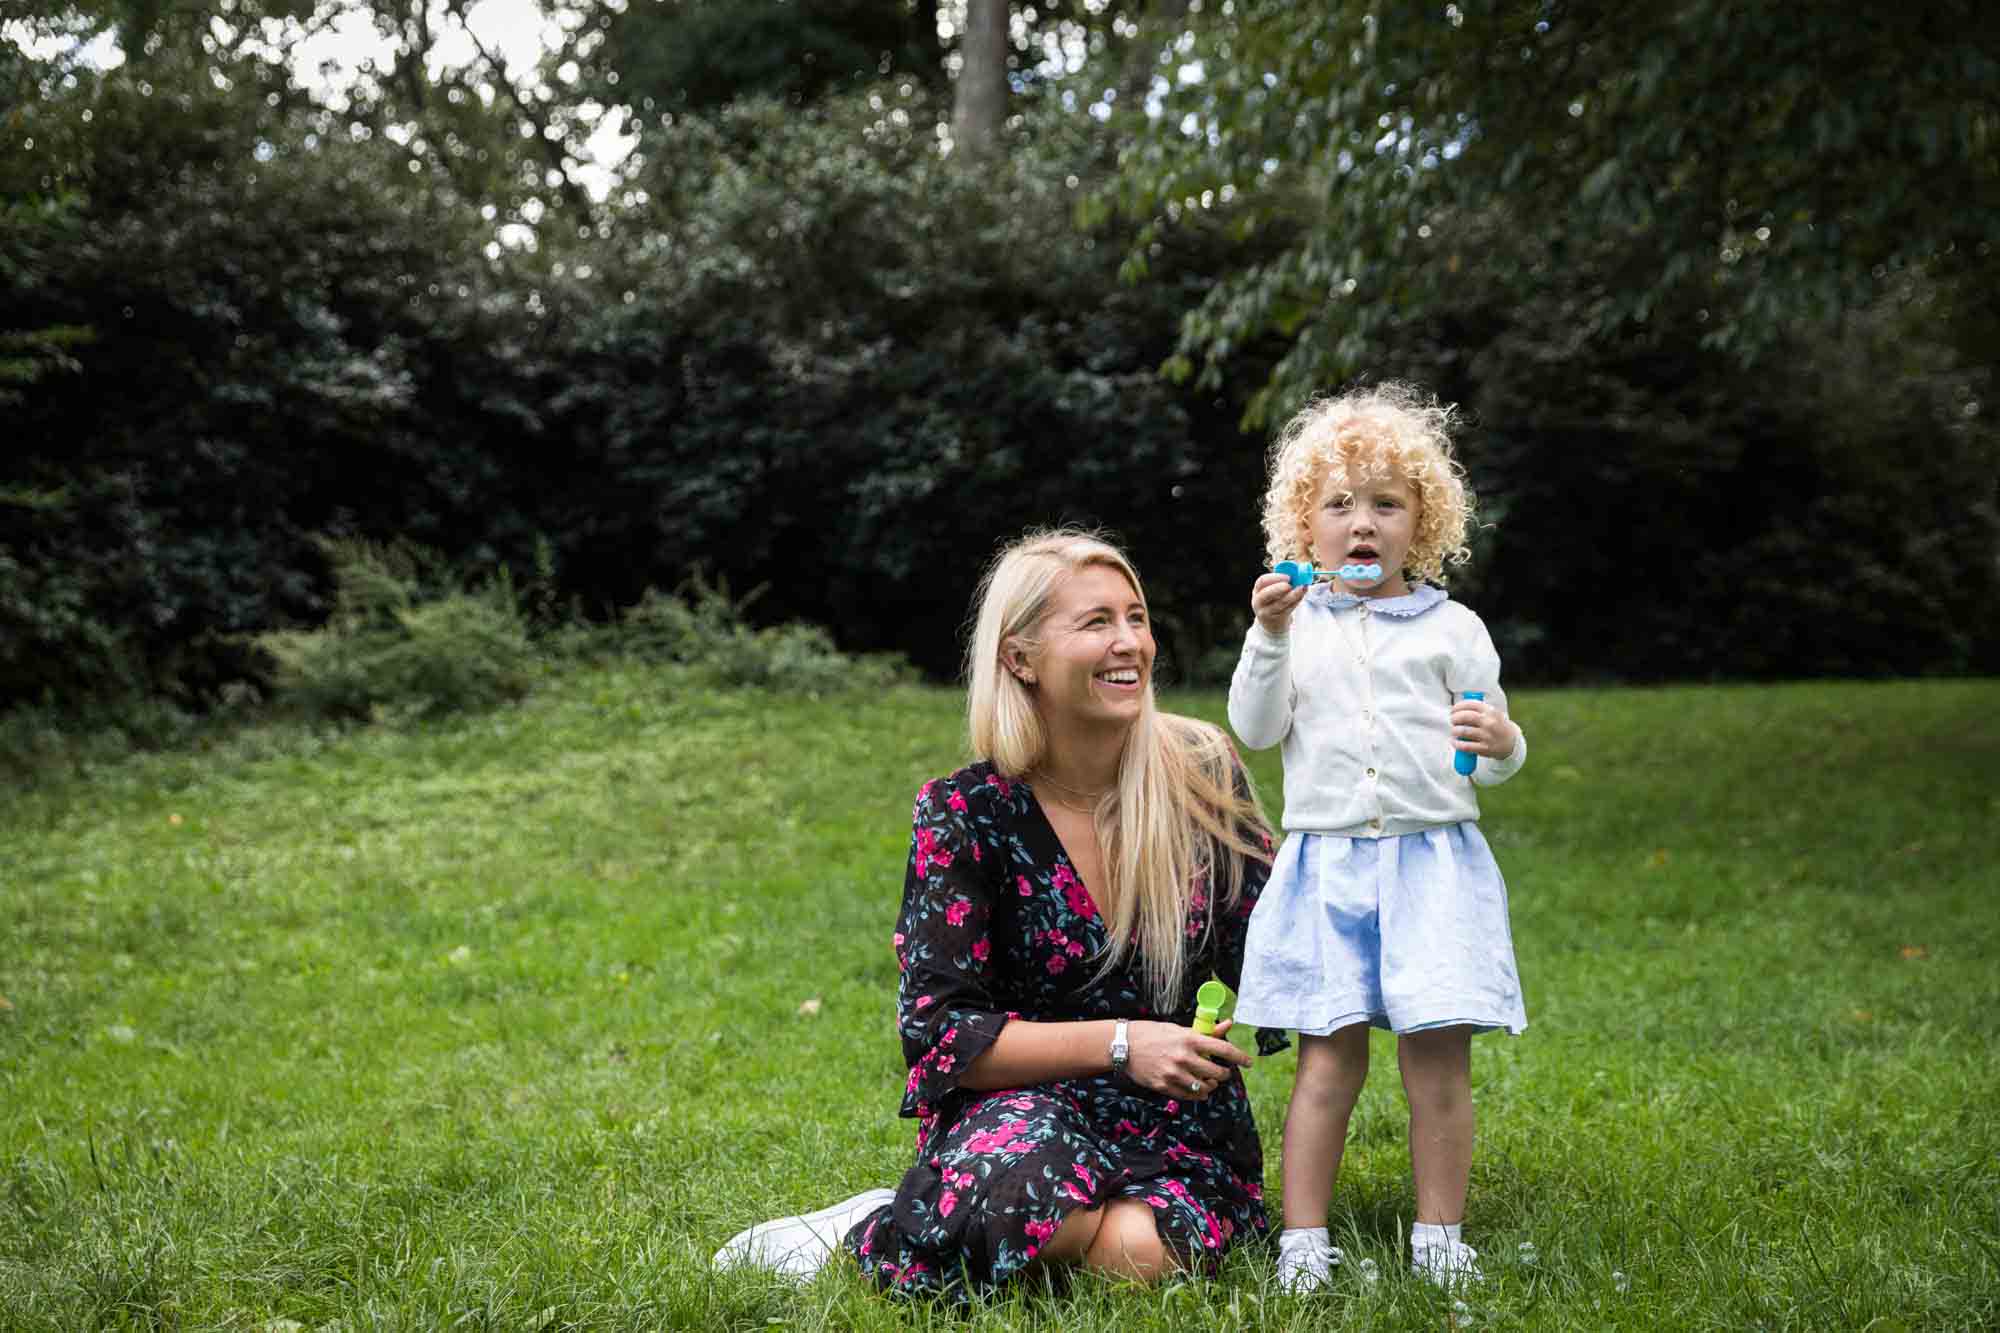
[1383, 430]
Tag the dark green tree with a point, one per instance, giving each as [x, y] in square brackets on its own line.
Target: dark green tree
[1763, 165]
[699, 55]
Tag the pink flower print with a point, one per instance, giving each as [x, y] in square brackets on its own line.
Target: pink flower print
[1127, 1127]
[1074, 893]
[956, 913]
[1173, 1107]
[929, 853]
[954, 800]
[996, 1140]
[995, 780]
[1022, 1104]
[1156, 1201]
[947, 1203]
[1178, 1190]
[1022, 882]
[897, 939]
[944, 1064]
[1073, 949]
[1056, 964]
[1083, 1174]
[924, 1001]
[1041, 1230]
[911, 1086]
[981, 947]
[1069, 1187]
[1254, 1190]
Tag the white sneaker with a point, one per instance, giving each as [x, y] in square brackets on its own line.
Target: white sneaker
[1306, 1263]
[1447, 1264]
[799, 1246]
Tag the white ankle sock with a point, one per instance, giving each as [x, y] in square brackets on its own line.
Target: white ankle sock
[1426, 1234]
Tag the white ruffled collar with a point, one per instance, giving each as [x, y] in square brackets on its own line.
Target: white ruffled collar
[1419, 599]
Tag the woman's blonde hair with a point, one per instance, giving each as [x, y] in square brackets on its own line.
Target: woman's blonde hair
[1175, 825]
[1381, 431]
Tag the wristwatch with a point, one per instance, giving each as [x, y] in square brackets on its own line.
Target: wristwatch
[1121, 1049]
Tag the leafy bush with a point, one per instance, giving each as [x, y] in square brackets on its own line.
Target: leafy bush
[394, 647]
[44, 741]
[703, 628]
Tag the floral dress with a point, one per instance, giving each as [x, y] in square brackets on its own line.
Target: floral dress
[996, 925]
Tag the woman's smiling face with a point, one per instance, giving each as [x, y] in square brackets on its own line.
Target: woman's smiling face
[1094, 663]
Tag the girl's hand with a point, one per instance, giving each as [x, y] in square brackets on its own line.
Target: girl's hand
[1179, 1062]
[1272, 598]
[1477, 727]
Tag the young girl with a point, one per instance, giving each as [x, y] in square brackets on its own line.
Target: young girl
[1385, 906]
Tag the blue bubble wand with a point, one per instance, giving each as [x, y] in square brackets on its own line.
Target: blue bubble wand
[1301, 572]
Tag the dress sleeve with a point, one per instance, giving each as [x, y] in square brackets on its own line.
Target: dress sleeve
[946, 1009]
[1260, 691]
[1232, 923]
[1476, 666]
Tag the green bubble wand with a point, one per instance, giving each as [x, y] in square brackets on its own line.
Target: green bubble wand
[1208, 1002]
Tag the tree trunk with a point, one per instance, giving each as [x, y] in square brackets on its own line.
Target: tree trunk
[979, 105]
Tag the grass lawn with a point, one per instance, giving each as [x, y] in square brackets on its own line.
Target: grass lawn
[508, 1023]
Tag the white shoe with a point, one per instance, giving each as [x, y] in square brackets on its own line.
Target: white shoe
[1306, 1264]
[799, 1246]
[1448, 1264]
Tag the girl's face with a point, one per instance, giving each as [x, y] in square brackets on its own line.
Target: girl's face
[1094, 663]
[1372, 522]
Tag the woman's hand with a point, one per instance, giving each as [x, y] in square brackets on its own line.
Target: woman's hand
[1177, 1061]
[1273, 598]
[1479, 728]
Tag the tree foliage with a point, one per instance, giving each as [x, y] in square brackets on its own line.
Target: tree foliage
[1760, 164]
[797, 346]
[698, 55]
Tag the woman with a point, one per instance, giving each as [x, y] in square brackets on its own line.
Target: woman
[1065, 896]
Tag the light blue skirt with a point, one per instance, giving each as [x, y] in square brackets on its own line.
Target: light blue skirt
[1406, 933]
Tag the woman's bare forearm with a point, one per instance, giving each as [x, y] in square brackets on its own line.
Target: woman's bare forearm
[1026, 1053]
